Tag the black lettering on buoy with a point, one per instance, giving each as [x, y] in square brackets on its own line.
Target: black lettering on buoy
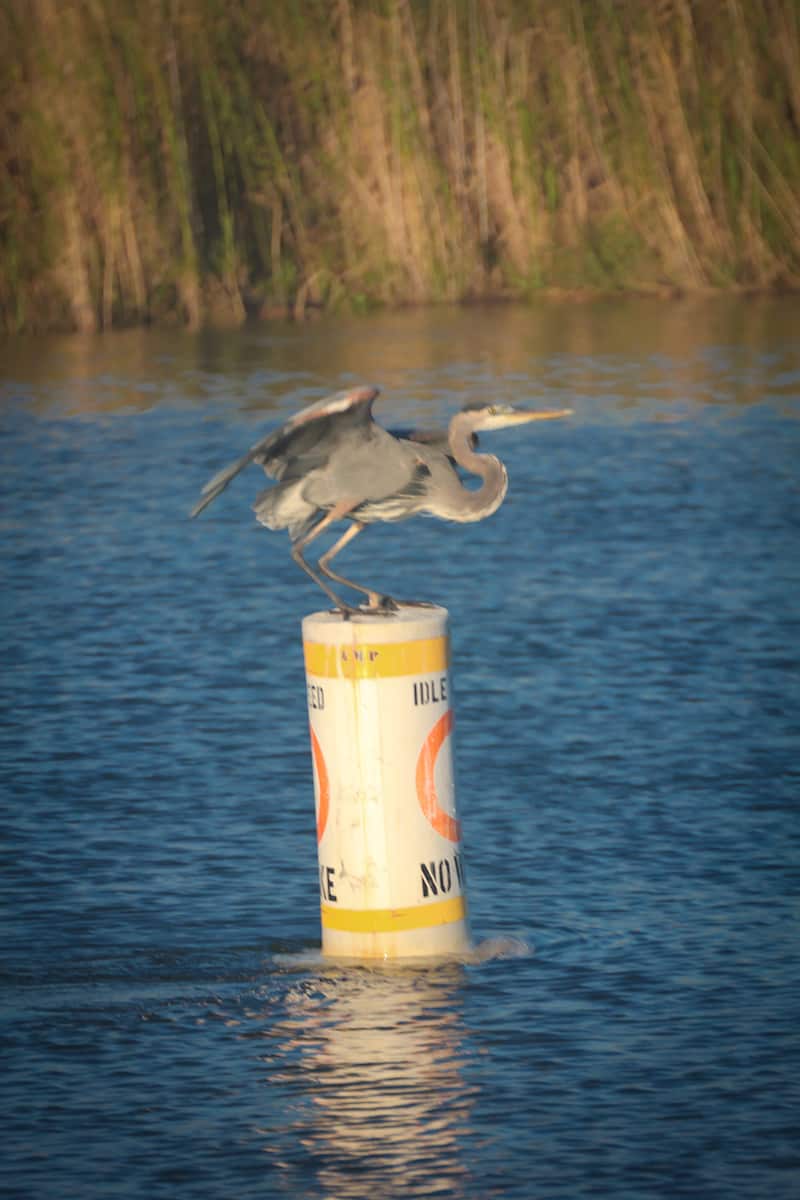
[327, 879]
[437, 878]
[430, 691]
[429, 884]
[358, 655]
[316, 696]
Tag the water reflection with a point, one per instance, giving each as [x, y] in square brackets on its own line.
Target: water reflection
[628, 778]
[372, 1064]
[615, 353]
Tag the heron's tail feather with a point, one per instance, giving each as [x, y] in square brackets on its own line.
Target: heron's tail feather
[220, 482]
[283, 507]
[264, 508]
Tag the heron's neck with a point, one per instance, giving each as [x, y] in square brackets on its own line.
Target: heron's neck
[475, 505]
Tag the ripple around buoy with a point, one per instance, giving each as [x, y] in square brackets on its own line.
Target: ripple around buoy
[489, 950]
[500, 947]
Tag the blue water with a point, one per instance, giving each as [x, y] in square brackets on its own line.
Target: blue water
[626, 636]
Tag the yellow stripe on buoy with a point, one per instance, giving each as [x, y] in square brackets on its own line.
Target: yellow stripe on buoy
[393, 920]
[371, 660]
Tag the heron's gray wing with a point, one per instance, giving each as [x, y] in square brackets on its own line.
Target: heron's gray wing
[430, 437]
[302, 442]
[309, 439]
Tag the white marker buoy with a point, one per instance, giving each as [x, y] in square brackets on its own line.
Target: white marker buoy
[389, 841]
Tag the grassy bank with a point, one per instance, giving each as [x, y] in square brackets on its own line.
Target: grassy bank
[195, 160]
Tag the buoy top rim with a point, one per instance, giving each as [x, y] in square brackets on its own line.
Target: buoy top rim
[405, 613]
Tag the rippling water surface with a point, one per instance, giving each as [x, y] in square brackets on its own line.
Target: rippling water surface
[626, 636]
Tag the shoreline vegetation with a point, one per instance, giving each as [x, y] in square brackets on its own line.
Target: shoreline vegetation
[202, 161]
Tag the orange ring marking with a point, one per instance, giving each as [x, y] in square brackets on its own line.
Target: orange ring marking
[324, 785]
[441, 821]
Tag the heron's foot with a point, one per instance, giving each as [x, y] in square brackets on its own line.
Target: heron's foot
[345, 611]
[380, 605]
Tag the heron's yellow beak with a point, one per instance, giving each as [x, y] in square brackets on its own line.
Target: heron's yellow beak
[521, 416]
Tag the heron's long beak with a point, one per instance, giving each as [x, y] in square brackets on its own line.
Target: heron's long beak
[545, 415]
[522, 416]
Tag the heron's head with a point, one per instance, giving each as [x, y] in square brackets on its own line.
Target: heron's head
[484, 417]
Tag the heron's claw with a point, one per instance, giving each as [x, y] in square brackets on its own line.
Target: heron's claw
[345, 611]
[380, 605]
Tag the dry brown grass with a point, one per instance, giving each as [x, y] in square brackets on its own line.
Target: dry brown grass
[199, 159]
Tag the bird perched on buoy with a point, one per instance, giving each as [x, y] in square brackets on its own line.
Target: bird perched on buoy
[333, 462]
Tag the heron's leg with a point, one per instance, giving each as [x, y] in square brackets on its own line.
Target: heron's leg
[376, 600]
[329, 592]
[336, 513]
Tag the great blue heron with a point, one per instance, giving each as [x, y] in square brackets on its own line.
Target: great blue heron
[333, 462]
